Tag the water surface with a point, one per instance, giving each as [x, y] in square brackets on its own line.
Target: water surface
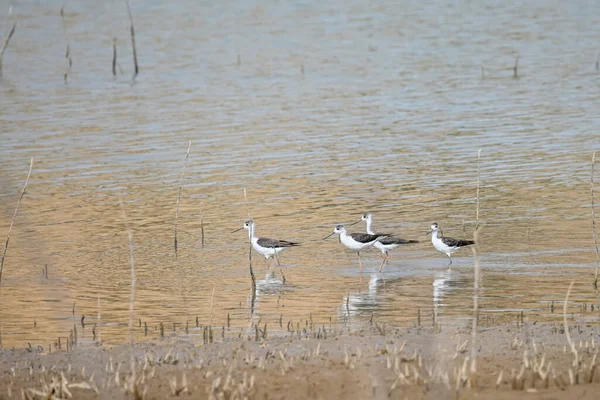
[322, 111]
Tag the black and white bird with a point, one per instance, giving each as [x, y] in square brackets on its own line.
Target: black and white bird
[265, 246]
[387, 243]
[355, 241]
[446, 245]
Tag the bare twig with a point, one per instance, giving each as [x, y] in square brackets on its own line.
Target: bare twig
[250, 249]
[5, 45]
[201, 225]
[132, 268]
[516, 67]
[13, 217]
[566, 326]
[594, 222]
[68, 51]
[114, 61]
[187, 154]
[132, 283]
[477, 212]
[476, 279]
[212, 297]
[132, 30]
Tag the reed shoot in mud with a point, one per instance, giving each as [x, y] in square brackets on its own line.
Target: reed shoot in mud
[132, 31]
[594, 222]
[68, 58]
[250, 250]
[114, 60]
[187, 154]
[12, 221]
[201, 225]
[5, 45]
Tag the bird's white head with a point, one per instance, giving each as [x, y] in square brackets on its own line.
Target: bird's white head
[366, 217]
[434, 228]
[339, 229]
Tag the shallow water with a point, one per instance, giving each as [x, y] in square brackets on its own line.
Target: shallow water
[335, 109]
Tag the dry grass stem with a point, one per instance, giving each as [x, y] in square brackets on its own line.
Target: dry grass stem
[476, 279]
[478, 180]
[114, 60]
[594, 222]
[68, 51]
[212, 298]
[5, 45]
[132, 283]
[132, 31]
[187, 154]
[12, 221]
[566, 326]
[132, 268]
[201, 225]
[250, 250]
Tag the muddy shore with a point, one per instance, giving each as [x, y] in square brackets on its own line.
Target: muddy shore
[530, 361]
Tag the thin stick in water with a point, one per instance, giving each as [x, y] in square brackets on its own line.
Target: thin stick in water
[12, 221]
[250, 249]
[566, 326]
[212, 297]
[476, 278]
[132, 268]
[594, 222]
[132, 30]
[477, 211]
[516, 68]
[5, 45]
[114, 61]
[201, 225]
[132, 283]
[187, 154]
[68, 51]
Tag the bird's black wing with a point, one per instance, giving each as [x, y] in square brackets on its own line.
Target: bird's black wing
[451, 242]
[365, 237]
[273, 243]
[396, 240]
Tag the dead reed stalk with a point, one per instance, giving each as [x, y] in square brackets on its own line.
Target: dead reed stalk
[478, 174]
[12, 221]
[594, 222]
[98, 319]
[250, 249]
[68, 51]
[132, 31]
[187, 154]
[114, 61]
[476, 279]
[212, 297]
[5, 45]
[516, 68]
[132, 284]
[201, 225]
[132, 269]
[566, 326]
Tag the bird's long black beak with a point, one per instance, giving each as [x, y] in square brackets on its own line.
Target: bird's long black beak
[427, 234]
[328, 235]
[354, 223]
[237, 230]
